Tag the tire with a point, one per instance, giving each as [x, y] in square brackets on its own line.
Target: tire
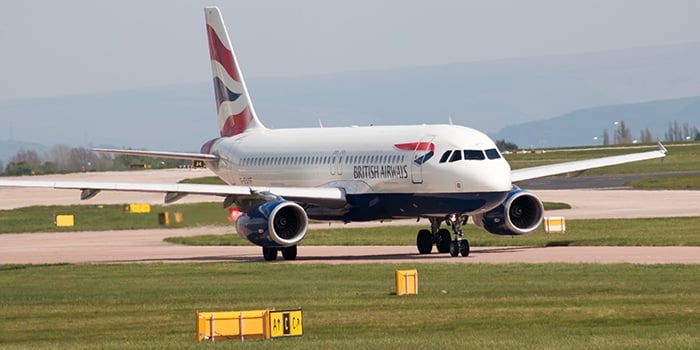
[269, 254]
[464, 248]
[424, 242]
[289, 253]
[443, 241]
[454, 250]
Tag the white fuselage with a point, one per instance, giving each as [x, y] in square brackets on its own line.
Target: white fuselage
[370, 161]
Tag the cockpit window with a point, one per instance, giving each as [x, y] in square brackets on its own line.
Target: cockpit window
[473, 154]
[469, 154]
[493, 153]
[445, 156]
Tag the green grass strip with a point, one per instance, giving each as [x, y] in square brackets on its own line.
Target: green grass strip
[679, 182]
[109, 217]
[458, 306]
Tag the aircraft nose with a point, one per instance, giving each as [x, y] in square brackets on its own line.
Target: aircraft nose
[494, 177]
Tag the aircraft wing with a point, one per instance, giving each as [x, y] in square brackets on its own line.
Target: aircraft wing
[581, 165]
[174, 155]
[327, 196]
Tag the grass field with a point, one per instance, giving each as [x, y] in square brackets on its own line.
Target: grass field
[459, 306]
[678, 182]
[108, 217]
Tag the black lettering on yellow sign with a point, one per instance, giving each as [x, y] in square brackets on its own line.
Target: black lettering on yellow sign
[198, 164]
[286, 323]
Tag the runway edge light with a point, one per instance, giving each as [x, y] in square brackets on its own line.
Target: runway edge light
[406, 282]
[64, 220]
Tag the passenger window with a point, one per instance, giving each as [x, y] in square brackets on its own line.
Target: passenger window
[456, 155]
[445, 156]
[473, 155]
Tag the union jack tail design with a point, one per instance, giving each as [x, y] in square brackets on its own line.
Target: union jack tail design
[236, 113]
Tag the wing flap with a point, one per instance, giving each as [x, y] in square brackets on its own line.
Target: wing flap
[581, 165]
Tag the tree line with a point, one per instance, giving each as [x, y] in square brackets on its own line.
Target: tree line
[66, 159]
[675, 133]
[623, 135]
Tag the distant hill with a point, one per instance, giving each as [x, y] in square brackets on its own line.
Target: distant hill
[580, 127]
[489, 96]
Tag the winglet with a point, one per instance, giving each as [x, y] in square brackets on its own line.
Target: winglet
[662, 148]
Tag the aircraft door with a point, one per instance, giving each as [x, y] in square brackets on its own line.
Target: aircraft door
[421, 153]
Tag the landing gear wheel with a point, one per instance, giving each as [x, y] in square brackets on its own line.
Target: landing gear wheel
[289, 253]
[454, 250]
[464, 248]
[269, 254]
[443, 241]
[461, 247]
[424, 242]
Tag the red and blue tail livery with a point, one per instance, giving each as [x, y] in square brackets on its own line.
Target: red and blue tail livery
[423, 151]
[234, 107]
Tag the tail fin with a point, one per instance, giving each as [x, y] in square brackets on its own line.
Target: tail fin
[236, 113]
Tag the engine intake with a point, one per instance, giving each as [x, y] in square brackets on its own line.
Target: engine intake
[274, 224]
[520, 214]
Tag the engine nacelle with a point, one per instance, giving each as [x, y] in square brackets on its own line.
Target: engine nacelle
[520, 214]
[274, 224]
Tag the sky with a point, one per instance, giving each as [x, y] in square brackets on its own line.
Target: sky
[69, 47]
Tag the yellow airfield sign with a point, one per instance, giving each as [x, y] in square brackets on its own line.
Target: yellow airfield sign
[285, 323]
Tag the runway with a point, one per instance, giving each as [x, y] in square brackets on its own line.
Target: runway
[142, 246]
[145, 246]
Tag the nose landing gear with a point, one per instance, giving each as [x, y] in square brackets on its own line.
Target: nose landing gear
[459, 245]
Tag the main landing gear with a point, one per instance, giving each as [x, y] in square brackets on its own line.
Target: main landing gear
[440, 237]
[288, 253]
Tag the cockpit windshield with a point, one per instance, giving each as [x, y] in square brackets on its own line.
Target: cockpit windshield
[469, 154]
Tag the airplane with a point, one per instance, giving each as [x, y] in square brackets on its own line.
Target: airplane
[278, 179]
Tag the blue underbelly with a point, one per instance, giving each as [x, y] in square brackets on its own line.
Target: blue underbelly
[365, 207]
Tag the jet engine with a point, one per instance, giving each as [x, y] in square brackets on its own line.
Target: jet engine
[520, 214]
[274, 224]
